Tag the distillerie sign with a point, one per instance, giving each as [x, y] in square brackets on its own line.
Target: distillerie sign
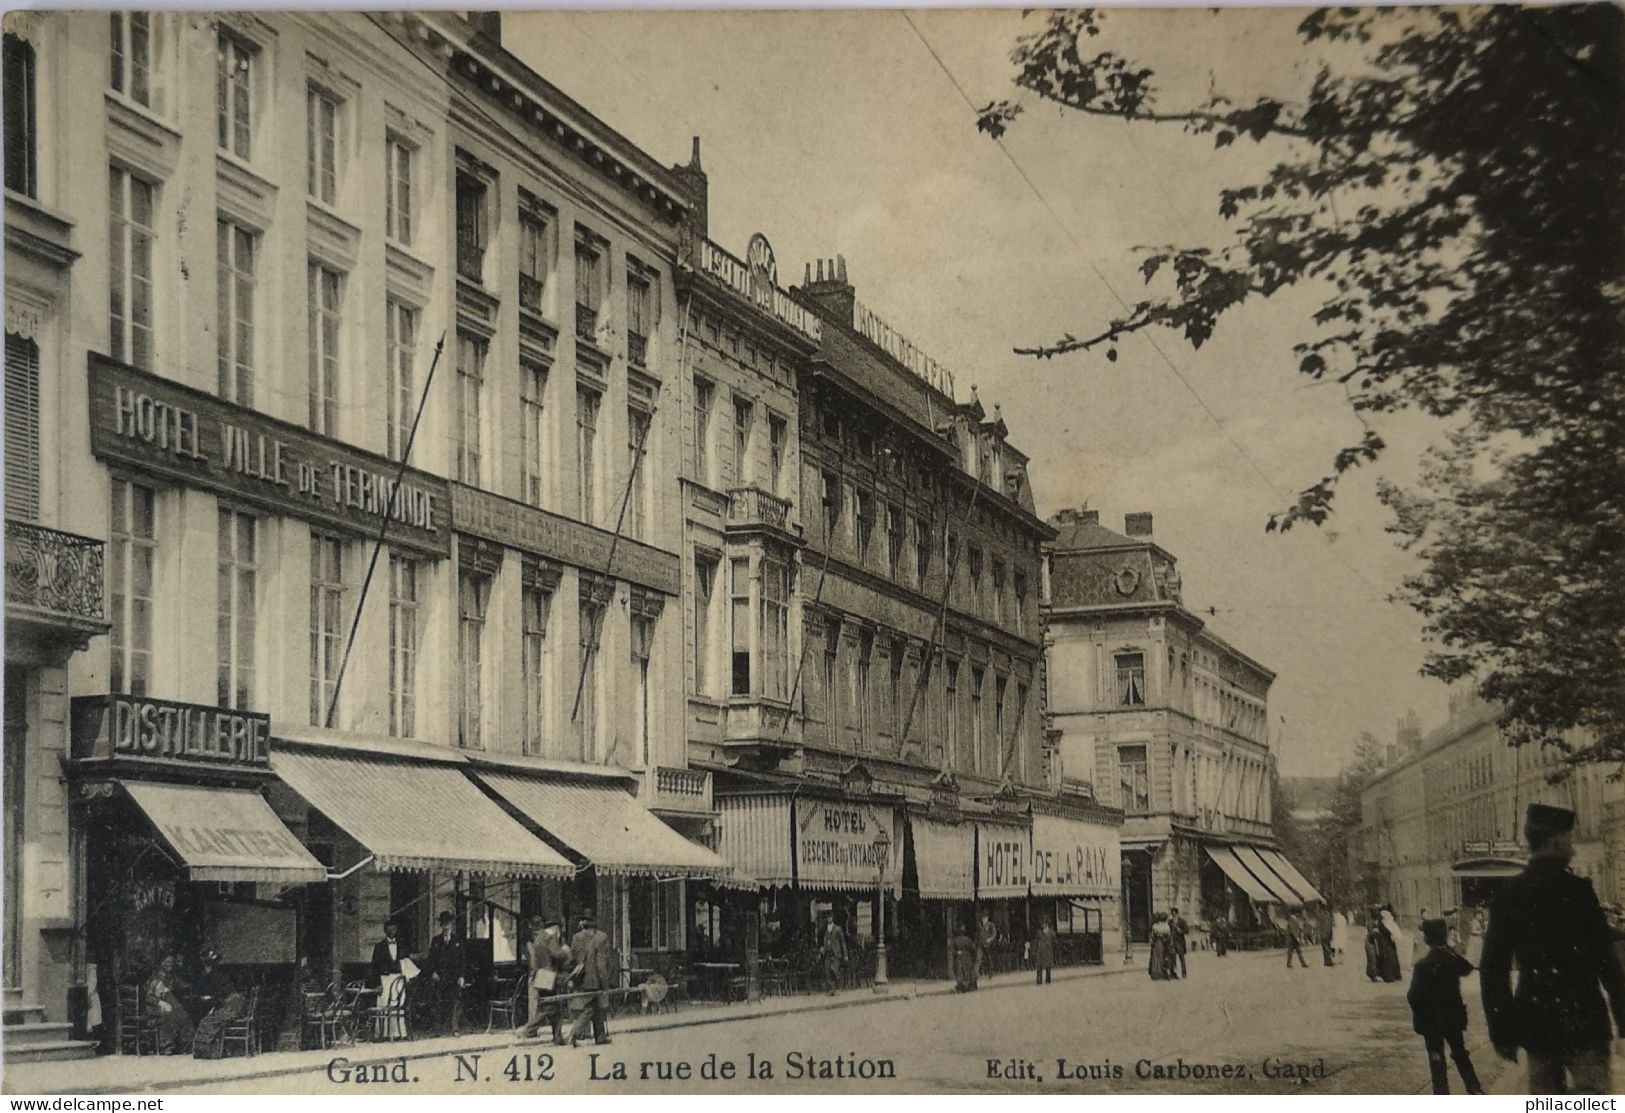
[197, 439]
[901, 348]
[757, 281]
[137, 729]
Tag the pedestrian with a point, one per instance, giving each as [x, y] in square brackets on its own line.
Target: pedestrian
[1161, 963]
[220, 1004]
[387, 955]
[1221, 938]
[1044, 952]
[593, 974]
[964, 959]
[448, 966]
[985, 940]
[834, 951]
[163, 1002]
[1328, 935]
[1437, 1012]
[1178, 939]
[1340, 935]
[1294, 940]
[1550, 923]
[548, 959]
[1390, 940]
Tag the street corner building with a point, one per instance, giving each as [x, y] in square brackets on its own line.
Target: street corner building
[411, 510]
[1171, 723]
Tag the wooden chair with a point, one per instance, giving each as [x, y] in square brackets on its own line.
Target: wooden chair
[390, 1009]
[507, 999]
[317, 1008]
[244, 1031]
[137, 1032]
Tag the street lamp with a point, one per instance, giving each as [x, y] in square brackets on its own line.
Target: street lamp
[882, 845]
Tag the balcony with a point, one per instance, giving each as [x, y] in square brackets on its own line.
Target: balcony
[751, 508]
[54, 585]
[761, 728]
[587, 323]
[680, 791]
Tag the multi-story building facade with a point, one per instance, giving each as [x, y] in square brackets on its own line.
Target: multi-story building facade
[352, 342]
[1442, 820]
[1169, 721]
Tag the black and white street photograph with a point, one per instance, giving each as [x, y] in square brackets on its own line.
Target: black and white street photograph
[936, 551]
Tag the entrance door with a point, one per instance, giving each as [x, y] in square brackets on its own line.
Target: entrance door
[1137, 894]
[15, 772]
[316, 918]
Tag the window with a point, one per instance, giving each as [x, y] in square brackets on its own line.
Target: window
[1021, 717]
[998, 591]
[535, 264]
[639, 317]
[470, 391]
[238, 551]
[922, 550]
[976, 678]
[403, 646]
[589, 288]
[473, 595]
[973, 564]
[234, 77]
[637, 496]
[999, 684]
[832, 691]
[132, 563]
[131, 55]
[642, 644]
[400, 347]
[22, 428]
[739, 624]
[532, 396]
[1133, 779]
[831, 498]
[894, 541]
[589, 624]
[704, 399]
[1130, 679]
[775, 630]
[1020, 583]
[326, 622]
[866, 521]
[951, 731]
[743, 411]
[234, 332]
[534, 602]
[586, 452]
[894, 690]
[778, 434]
[132, 201]
[655, 914]
[705, 584]
[325, 325]
[473, 226]
[860, 697]
[321, 146]
[20, 123]
[398, 190]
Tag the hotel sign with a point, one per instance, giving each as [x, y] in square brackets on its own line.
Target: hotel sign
[1074, 858]
[138, 729]
[757, 282]
[191, 437]
[835, 845]
[869, 325]
[1003, 853]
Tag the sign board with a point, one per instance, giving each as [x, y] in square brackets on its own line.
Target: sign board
[1003, 855]
[1072, 857]
[757, 282]
[835, 845]
[185, 435]
[163, 732]
[869, 325]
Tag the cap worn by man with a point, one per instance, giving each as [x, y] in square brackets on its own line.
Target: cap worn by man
[1548, 819]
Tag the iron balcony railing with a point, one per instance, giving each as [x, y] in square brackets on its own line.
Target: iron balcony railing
[54, 572]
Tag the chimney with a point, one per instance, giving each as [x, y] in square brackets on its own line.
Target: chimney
[1408, 736]
[488, 24]
[826, 283]
[1089, 517]
[696, 186]
[1138, 524]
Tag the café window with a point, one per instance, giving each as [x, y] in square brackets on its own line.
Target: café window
[132, 565]
[655, 912]
[1133, 779]
[236, 605]
[1130, 679]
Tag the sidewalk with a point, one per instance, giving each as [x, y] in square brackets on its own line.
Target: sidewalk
[120, 1074]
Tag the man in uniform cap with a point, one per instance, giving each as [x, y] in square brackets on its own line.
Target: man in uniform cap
[1549, 921]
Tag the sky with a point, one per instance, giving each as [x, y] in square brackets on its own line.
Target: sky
[853, 133]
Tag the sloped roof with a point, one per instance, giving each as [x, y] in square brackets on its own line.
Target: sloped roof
[1076, 536]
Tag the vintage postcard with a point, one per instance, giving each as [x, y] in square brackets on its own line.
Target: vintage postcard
[798, 552]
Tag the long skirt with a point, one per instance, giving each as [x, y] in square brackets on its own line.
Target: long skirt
[1157, 967]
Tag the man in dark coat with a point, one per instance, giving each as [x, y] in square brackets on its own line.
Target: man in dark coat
[1437, 1012]
[388, 952]
[1328, 924]
[1294, 940]
[1178, 930]
[594, 974]
[448, 966]
[1549, 922]
[547, 960]
[1044, 952]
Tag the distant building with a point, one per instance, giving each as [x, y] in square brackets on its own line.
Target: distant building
[1170, 723]
[1442, 821]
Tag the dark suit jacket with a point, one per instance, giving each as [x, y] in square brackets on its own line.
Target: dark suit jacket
[591, 950]
[1435, 993]
[1549, 921]
[1177, 930]
[382, 963]
[448, 959]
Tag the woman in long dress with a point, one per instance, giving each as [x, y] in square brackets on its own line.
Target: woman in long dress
[1340, 934]
[163, 1001]
[1161, 948]
[1391, 944]
[964, 949]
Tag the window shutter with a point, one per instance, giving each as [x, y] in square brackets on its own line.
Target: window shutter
[22, 428]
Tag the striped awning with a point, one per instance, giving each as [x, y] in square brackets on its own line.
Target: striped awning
[1226, 860]
[1291, 874]
[606, 826]
[1003, 855]
[1267, 876]
[225, 834]
[753, 837]
[416, 815]
[944, 858]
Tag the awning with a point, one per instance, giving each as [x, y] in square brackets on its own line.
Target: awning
[944, 858]
[1074, 858]
[606, 826]
[1291, 874]
[835, 845]
[1274, 882]
[1003, 855]
[416, 815]
[225, 834]
[1227, 861]
[753, 837]
[1488, 867]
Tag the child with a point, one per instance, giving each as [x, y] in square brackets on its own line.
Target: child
[1437, 1010]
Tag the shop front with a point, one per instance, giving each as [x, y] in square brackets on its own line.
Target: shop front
[1004, 922]
[939, 891]
[1075, 885]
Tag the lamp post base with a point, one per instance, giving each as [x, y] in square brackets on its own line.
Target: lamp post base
[880, 985]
